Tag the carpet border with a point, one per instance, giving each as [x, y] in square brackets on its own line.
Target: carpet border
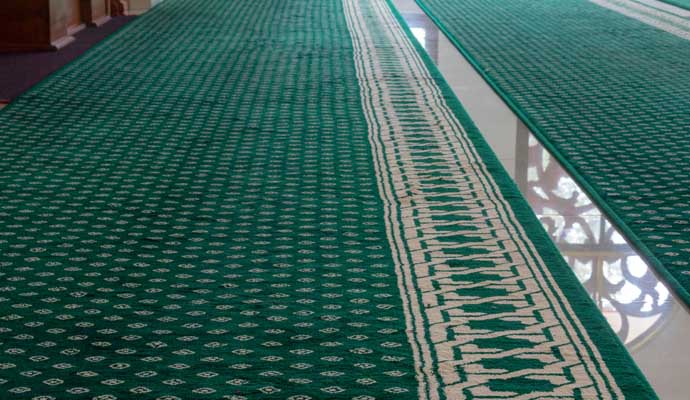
[633, 381]
[616, 220]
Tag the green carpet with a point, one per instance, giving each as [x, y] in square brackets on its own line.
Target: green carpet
[276, 199]
[678, 3]
[601, 83]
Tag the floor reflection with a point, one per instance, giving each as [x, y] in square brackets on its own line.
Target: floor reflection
[639, 307]
[628, 293]
[632, 298]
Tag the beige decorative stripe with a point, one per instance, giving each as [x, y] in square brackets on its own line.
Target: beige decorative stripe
[398, 91]
[658, 19]
[365, 70]
[680, 12]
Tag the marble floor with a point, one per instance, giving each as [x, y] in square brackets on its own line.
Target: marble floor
[648, 318]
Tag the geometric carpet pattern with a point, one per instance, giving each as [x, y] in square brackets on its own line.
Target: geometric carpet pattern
[276, 200]
[600, 83]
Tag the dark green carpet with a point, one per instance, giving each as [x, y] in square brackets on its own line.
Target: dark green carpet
[606, 93]
[679, 3]
[276, 199]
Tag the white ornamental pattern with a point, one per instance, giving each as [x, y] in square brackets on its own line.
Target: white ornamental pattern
[486, 317]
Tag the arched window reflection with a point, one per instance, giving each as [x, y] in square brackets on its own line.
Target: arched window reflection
[626, 291]
[630, 296]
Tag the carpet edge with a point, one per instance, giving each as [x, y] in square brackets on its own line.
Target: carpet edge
[617, 221]
[633, 381]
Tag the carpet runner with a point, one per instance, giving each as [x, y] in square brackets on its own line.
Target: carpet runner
[599, 83]
[276, 199]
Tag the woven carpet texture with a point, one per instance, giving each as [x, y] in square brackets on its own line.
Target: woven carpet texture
[276, 199]
[601, 84]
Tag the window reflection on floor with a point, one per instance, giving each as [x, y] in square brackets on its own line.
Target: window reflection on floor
[632, 299]
[628, 293]
[653, 324]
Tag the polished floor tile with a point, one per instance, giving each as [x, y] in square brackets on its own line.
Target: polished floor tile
[651, 322]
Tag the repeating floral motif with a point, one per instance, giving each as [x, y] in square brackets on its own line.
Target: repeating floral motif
[207, 218]
[196, 217]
